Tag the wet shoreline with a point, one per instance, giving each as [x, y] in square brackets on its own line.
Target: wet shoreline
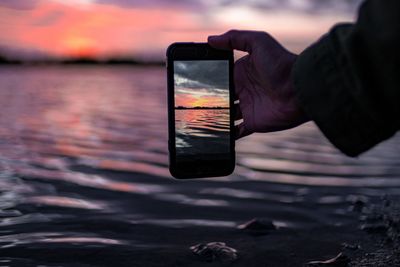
[84, 180]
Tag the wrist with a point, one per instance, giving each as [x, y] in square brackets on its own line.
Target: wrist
[302, 116]
[299, 115]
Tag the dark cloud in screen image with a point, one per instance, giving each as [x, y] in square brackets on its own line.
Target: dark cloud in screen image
[202, 74]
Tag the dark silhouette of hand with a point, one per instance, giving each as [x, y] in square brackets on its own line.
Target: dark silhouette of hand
[263, 85]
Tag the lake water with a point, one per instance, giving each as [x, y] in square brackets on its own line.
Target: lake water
[202, 131]
[84, 173]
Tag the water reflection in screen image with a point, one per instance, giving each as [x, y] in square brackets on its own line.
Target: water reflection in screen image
[202, 109]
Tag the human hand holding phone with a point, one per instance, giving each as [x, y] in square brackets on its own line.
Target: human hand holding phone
[267, 100]
[202, 145]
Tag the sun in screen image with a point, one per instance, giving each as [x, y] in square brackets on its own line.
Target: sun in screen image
[202, 109]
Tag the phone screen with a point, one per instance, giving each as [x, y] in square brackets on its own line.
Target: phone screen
[202, 114]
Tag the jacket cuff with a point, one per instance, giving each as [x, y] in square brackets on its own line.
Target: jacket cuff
[326, 98]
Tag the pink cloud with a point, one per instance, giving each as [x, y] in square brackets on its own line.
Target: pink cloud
[19, 4]
[130, 28]
[98, 29]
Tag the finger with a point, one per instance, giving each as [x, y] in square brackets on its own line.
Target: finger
[241, 131]
[237, 112]
[234, 39]
[241, 77]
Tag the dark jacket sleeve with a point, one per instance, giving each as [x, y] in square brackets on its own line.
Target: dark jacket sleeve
[349, 81]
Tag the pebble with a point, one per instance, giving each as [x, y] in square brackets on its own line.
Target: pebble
[340, 260]
[358, 203]
[257, 226]
[358, 206]
[215, 251]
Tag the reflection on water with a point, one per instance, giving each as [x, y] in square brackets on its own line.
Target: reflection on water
[19, 239]
[66, 202]
[202, 123]
[201, 131]
[83, 164]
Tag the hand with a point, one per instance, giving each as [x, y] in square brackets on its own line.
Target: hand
[267, 100]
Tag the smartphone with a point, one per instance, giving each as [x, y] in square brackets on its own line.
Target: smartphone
[201, 120]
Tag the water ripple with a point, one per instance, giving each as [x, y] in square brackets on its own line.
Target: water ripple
[84, 163]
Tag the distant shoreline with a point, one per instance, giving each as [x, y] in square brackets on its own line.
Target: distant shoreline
[201, 107]
[81, 61]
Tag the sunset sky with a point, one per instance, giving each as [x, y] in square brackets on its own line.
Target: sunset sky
[201, 83]
[143, 28]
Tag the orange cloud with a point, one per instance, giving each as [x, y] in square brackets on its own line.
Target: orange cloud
[94, 29]
[190, 100]
[98, 29]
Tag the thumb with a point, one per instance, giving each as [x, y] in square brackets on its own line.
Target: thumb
[234, 39]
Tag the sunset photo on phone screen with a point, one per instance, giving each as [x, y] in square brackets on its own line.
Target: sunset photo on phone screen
[202, 109]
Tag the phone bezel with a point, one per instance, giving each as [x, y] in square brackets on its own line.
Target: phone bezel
[197, 51]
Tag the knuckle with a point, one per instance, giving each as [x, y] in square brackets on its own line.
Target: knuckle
[232, 32]
[261, 36]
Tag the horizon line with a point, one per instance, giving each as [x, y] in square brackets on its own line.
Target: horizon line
[80, 60]
[201, 107]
